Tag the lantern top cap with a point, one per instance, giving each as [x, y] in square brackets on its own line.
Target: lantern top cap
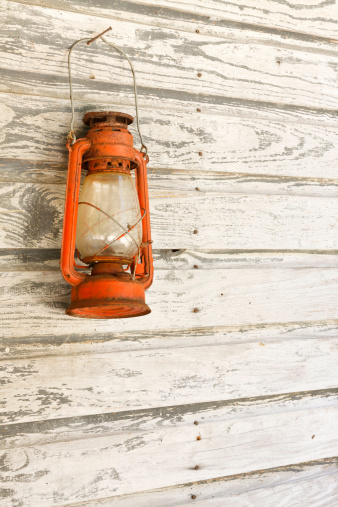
[108, 118]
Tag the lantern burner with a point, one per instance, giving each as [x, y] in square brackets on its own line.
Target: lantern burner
[108, 119]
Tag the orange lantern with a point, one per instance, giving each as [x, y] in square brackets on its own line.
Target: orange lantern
[108, 223]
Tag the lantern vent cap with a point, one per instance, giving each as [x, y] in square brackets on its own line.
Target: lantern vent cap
[108, 118]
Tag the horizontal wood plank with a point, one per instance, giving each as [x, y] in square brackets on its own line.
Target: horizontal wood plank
[34, 136]
[32, 217]
[160, 450]
[234, 68]
[35, 259]
[311, 483]
[81, 427]
[234, 297]
[113, 341]
[169, 374]
[100, 342]
[315, 17]
[260, 20]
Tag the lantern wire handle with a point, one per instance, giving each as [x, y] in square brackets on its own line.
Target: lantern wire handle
[71, 134]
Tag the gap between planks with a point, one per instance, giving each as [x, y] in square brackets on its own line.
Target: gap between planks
[38, 259]
[74, 343]
[79, 427]
[14, 170]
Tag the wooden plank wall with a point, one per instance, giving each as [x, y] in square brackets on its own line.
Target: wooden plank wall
[227, 393]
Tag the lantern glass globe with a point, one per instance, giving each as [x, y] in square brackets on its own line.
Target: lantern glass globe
[108, 207]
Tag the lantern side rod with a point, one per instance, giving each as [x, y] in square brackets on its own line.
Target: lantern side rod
[71, 134]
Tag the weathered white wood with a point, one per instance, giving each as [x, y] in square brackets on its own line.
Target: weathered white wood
[167, 375]
[95, 410]
[71, 343]
[255, 71]
[232, 297]
[312, 483]
[263, 21]
[34, 130]
[32, 216]
[314, 16]
[162, 455]
[188, 259]
[179, 181]
[77, 427]
[34, 259]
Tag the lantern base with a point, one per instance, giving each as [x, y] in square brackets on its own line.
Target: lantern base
[105, 309]
[108, 297]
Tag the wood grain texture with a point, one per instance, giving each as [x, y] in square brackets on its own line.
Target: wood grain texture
[193, 15]
[77, 427]
[235, 68]
[152, 451]
[99, 342]
[35, 259]
[34, 136]
[32, 217]
[311, 483]
[243, 334]
[180, 181]
[232, 297]
[167, 375]
[70, 343]
[314, 17]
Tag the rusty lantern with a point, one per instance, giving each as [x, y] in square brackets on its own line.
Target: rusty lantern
[108, 223]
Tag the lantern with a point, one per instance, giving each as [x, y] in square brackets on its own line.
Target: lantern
[108, 223]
